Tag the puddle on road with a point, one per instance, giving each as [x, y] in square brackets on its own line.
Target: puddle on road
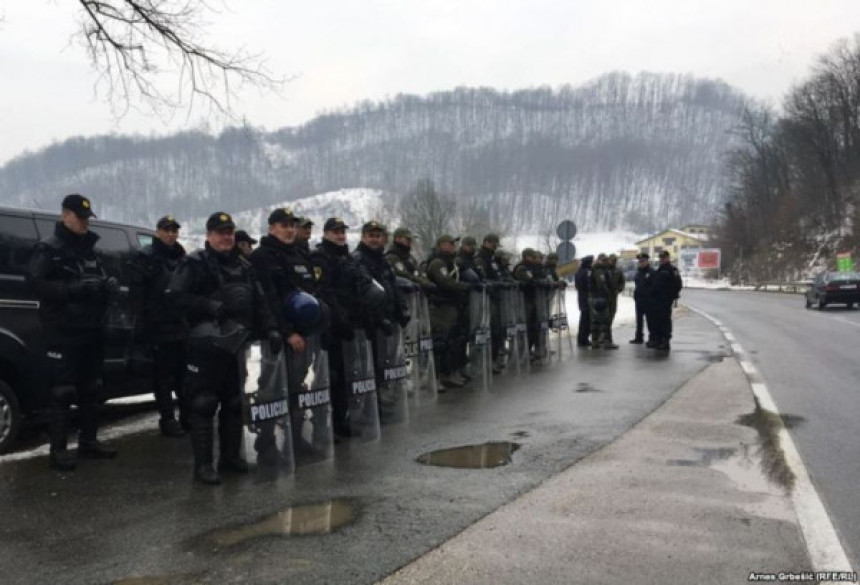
[585, 387]
[305, 520]
[472, 456]
[520, 434]
[173, 579]
[767, 424]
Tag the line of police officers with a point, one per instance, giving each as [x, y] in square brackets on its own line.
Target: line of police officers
[197, 311]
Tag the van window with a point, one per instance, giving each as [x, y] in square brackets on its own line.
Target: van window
[113, 247]
[45, 227]
[17, 238]
[143, 240]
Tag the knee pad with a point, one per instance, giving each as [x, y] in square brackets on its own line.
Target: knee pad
[64, 396]
[204, 404]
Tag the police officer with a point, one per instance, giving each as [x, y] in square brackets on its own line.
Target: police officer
[399, 256]
[616, 277]
[641, 296]
[225, 306]
[582, 281]
[303, 235]
[369, 256]
[447, 302]
[530, 275]
[490, 271]
[466, 257]
[550, 266]
[665, 289]
[341, 285]
[503, 260]
[599, 291]
[244, 243]
[159, 323]
[67, 277]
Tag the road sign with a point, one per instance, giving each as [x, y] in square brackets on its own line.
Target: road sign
[844, 263]
[566, 252]
[566, 230]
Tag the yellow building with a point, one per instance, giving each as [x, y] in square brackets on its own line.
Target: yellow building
[674, 241]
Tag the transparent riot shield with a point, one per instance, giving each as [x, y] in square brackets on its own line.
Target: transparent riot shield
[268, 439]
[508, 309]
[480, 361]
[310, 402]
[558, 321]
[392, 377]
[522, 355]
[542, 315]
[362, 411]
[418, 346]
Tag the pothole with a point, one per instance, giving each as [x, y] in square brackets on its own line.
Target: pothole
[486, 455]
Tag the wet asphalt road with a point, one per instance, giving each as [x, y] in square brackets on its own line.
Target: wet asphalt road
[140, 516]
[811, 364]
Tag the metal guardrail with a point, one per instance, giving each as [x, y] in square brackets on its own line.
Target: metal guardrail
[798, 288]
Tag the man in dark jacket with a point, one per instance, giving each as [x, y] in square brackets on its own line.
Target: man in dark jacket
[600, 289]
[641, 296]
[303, 235]
[158, 323]
[403, 263]
[67, 277]
[530, 274]
[665, 289]
[582, 281]
[369, 256]
[225, 307]
[447, 302]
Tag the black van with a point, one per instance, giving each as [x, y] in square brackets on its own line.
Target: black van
[23, 373]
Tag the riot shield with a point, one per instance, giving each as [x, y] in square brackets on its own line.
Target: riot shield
[508, 309]
[542, 315]
[392, 376]
[480, 362]
[558, 320]
[268, 439]
[418, 346]
[522, 330]
[310, 402]
[362, 418]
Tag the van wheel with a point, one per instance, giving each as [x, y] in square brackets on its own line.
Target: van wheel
[820, 306]
[10, 417]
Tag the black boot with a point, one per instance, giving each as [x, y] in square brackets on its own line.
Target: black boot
[58, 429]
[88, 446]
[653, 342]
[171, 428]
[637, 340]
[663, 345]
[230, 435]
[201, 443]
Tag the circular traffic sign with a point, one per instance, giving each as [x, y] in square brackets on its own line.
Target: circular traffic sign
[566, 230]
[566, 252]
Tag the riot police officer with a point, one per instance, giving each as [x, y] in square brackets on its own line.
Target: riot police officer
[582, 281]
[641, 296]
[369, 256]
[490, 271]
[529, 273]
[244, 243]
[67, 277]
[599, 291]
[616, 278]
[225, 307]
[665, 289]
[158, 323]
[303, 235]
[447, 302]
[399, 256]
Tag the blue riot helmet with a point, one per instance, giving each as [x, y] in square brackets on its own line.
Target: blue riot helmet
[302, 310]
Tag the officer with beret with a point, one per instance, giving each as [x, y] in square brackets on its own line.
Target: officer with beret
[159, 323]
[73, 289]
[225, 307]
[641, 296]
[245, 243]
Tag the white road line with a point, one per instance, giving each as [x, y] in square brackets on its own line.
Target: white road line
[822, 542]
[847, 322]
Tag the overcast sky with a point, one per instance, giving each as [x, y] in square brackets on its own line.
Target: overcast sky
[344, 51]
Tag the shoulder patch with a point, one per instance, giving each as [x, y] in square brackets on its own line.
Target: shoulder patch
[317, 272]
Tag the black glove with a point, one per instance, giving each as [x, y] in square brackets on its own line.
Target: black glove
[387, 327]
[85, 289]
[111, 285]
[276, 342]
[405, 317]
[217, 309]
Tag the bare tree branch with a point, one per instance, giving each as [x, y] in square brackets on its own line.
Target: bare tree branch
[135, 45]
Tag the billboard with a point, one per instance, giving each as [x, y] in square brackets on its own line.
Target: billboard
[708, 259]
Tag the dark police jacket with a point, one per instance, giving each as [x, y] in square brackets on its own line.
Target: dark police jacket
[282, 268]
[665, 284]
[403, 263]
[156, 318]
[200, 280]
[374, 263]
[443, 272]
[485, 262]
[339, 283]
[582, 281]
[58, 264]
[642, 282]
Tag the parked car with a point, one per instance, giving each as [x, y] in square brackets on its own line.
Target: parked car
[24, 376]
[830, 288]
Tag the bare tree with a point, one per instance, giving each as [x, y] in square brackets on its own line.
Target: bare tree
[134, 44]
[427, 213]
